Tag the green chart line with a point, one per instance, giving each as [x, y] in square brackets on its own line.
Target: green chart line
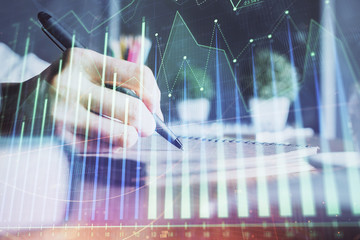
[84, 158]
[33, 119]
[152, 203]
[306, 192]
[222, 199]
[43, 122]
[185, 183]
[22, 77]
[40, 148]
[284, 194]
[68, 87]
[242, 194]
[169, 203]
[111, 137]
[204, 189]
[55, 105]
[262, 189]
[17, 162]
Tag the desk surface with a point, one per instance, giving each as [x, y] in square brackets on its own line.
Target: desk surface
[56, 195]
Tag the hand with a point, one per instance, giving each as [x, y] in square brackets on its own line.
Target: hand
[77, 88]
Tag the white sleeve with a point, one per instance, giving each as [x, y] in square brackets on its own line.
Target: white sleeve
[15, 68]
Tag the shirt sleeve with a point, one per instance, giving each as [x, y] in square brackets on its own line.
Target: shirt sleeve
[16, 69]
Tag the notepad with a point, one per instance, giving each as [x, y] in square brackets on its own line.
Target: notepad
[212, 154]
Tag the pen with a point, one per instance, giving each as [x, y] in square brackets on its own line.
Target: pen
[63, 39]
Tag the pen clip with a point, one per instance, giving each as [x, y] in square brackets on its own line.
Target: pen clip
[52, 39]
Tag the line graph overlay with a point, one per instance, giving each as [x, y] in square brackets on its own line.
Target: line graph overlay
[347, 90]
[182, 47]
[92, 29]
[235, 4]
[182, 50]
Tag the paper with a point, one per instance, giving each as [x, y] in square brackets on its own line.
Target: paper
[230, 155]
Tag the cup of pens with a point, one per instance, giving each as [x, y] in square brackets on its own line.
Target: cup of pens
[130, 48]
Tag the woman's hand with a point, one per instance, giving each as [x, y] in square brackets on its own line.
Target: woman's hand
[77, 85]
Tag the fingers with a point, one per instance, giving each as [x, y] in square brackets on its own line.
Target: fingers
[129, 110]
[160, 114]
[136, 114]
[136, 77]
[93, 127]
[145, 87]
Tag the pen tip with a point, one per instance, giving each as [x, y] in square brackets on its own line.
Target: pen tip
[178, 144]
